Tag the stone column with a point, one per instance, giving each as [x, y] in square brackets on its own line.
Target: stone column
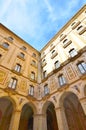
[40, 122]
[83, 104]
[15, 120]
[61, 119]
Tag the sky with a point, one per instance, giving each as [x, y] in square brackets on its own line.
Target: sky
[37, 21]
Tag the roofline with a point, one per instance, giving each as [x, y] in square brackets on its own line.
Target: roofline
[63, 28]
[18, 37]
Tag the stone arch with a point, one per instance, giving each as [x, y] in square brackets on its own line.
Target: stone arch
[73, 111]
[49, 111]
[7, 106]
[26, 119]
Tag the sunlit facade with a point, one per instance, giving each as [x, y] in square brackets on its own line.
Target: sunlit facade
[44, 90]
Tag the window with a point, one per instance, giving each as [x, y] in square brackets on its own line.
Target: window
[31, 90]
[10, 39]
[24, 48]
[65, 41]
[72, 52]
[57, 64]
[22, 55]
[79, 27]
[32, 75]
[46, 89]
[12, 83]
[34, 55]
[5, 45]
[18, 67]
[53, 52]
[0, 55]
[62, 80]
[33, 62]
[45, 74]
[82, 67]
[73, 23]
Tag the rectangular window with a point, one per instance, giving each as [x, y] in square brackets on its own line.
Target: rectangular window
[46, 89]
[5, 45]
[45, 74]
[18, 68]
[12, 83]
[73, 52]
[62, 80]
[57, 64]
[31, 90]
[82, 67]
[32, 75]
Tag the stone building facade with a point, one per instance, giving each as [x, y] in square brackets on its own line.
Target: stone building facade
[44, 90]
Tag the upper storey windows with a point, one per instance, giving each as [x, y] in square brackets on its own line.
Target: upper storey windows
[5, 45]
[72, 52]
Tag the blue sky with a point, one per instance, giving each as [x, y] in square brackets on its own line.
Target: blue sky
[37, 21]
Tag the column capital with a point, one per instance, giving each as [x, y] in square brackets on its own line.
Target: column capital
[39, 115]
[58, 108]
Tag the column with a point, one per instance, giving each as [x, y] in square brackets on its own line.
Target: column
[14, 125]
[83, 104]
[40, 122]
[61, 119]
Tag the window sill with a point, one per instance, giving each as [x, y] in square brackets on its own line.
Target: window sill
[63, 87]
[62, 37]
[75, 57]
[6, 49]
[18, 73]
[8, 89]
[52, 48]
[83, 76]
[33, 65]
[82, 31]
[75, 25]
[11, 41]
[54, 55]
[33, 80]
[66, 44]
[20, 57]
[44, 64]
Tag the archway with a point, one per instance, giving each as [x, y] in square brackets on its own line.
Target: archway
[6, 110]
[26, 120]
[49, 109]
[74, 113]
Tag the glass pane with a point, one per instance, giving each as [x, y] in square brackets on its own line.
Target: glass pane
[81, 68]
[84, 65]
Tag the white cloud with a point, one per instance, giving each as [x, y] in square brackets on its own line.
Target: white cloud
[34, 20]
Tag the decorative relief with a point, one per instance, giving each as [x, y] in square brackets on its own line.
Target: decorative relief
[3, 75]
[52, 83]
[70, 72]
[23, 86]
